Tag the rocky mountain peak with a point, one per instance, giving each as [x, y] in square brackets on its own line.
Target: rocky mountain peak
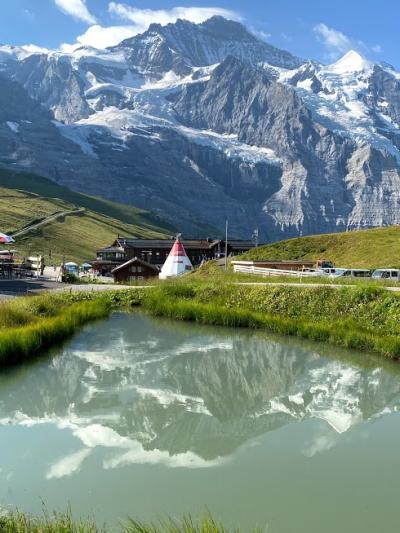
[352, 61]
[200, 45]
[223, 28]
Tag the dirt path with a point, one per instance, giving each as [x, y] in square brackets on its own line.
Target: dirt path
[48, 220]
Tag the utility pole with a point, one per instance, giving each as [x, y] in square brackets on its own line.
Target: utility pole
[255, 237]
[226, 244]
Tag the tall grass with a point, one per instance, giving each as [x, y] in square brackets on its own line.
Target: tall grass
[17, 522]
[187, 525]
[45, 324]
[362, 318]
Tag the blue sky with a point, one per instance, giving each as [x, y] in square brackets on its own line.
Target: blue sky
[315, 29]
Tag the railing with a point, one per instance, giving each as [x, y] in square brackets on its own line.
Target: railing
[248, 269]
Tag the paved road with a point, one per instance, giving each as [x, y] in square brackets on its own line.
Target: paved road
[19, 287]
[14, 288]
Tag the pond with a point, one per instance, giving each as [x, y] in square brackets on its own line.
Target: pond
[147, 418]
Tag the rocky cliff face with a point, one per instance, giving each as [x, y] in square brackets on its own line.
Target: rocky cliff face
[181, 46]
[206, 122]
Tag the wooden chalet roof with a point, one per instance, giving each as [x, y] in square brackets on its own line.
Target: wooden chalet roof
[132, 261]
[164, 243]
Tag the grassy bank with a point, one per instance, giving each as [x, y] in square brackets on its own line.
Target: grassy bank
[371, 248]
[30, 325]
[362, 318]
[17, 522]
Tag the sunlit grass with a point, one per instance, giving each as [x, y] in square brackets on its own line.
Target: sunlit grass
[30, 325]
[361, 318]
[368, 248]
[18, 522]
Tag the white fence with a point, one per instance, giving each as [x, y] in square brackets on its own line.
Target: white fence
[249, 269]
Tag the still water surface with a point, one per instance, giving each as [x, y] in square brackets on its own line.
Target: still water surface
[145, 418]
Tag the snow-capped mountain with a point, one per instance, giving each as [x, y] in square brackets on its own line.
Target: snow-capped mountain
[210, 119]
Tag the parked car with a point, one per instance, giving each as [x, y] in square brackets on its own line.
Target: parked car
[387, 273]
[351, 272]
[327, 271]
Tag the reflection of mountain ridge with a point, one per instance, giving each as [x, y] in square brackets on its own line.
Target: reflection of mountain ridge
[206, 391]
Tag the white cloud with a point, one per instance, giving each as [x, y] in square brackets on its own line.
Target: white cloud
[377, 48]
[77, 9]
[138, 20]
[142, 18]
[68, 465]
[34, 49]
[321, 443]
[337, 43]
[101, 37]
[263, 35]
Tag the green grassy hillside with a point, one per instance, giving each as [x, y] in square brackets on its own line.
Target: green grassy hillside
[93, 223]
[370, 248]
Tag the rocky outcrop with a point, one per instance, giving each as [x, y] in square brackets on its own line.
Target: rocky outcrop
[53, 82]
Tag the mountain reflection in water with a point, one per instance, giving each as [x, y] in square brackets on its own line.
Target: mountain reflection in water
[188, 396]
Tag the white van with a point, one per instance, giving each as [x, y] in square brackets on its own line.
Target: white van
[351, 272]
[387, 273]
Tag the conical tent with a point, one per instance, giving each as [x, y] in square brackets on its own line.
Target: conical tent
[5, 239]
[177, 263]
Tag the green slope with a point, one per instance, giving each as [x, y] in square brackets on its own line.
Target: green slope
[370, 248]
[27, 199]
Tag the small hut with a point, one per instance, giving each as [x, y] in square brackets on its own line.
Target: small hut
[134, 270]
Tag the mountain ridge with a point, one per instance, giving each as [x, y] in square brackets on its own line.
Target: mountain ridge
[201, 129]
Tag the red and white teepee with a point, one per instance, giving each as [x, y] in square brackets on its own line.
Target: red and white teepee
[177, 263]
[5, 239]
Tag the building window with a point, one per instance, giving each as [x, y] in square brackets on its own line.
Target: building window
[139, 269]
[133, 269]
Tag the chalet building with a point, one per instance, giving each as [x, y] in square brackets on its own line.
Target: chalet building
[134, 269]
[156, 251]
